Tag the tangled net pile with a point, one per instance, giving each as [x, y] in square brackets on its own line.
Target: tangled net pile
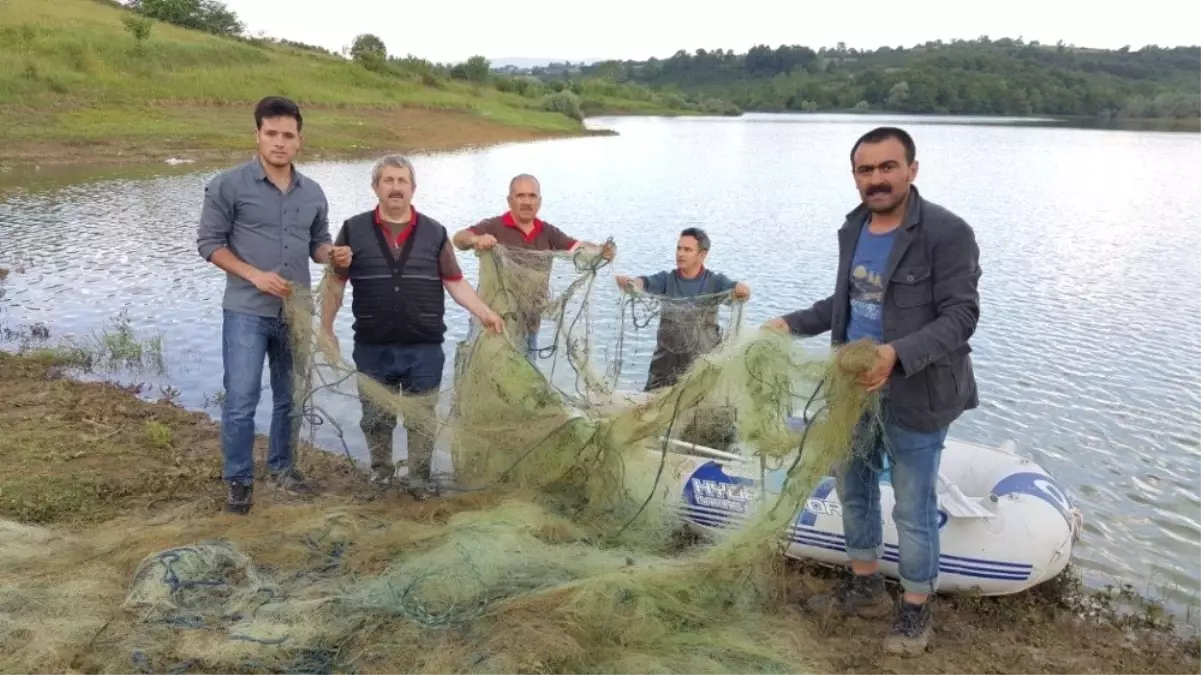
[557, 549]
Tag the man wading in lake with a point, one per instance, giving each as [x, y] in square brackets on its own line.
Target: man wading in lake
[261, 223]
[519, 228]
[403, 266]
[686, 330]
[907, 275]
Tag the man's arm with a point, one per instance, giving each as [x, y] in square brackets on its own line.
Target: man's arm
[807, 322]
[212, 240]
[462, 292]
[736, 288]
[955, 262]
[320, 242]
[561, 241]
[629, 283]
[466, 238]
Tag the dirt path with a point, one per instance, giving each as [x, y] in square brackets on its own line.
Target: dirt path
[77, 455]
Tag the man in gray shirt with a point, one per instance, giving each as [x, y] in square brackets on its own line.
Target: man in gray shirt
[688, 319]
[261, 223]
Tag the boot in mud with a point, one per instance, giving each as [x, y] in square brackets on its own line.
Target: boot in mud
[861, 595]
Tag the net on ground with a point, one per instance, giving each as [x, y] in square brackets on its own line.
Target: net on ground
[558, 551]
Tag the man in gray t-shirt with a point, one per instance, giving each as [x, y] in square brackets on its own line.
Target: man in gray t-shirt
[688, 319]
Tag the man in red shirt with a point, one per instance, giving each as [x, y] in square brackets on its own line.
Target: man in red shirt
[402, 268]
[519, 229]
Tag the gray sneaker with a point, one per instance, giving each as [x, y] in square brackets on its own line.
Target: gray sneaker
[292, 481]
[910, 630]
[861, 595]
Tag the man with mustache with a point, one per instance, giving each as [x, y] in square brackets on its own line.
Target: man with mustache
[907, 280]
[688, 320]
[518, 230]
[261, 223]
[402, 267]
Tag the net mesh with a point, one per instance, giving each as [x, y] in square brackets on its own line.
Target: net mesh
[558, 546]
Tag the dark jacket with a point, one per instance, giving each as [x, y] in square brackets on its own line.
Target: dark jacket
[396, 300]
[931, 306]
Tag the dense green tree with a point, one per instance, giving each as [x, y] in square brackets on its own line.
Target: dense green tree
[209, 16]
[368, 48]
[982, 76]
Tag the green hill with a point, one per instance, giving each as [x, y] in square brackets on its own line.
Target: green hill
[979, 77]
[74, 78]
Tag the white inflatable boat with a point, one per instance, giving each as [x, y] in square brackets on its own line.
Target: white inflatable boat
[1005, 524]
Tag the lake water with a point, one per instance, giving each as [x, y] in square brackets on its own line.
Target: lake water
[1087, 350]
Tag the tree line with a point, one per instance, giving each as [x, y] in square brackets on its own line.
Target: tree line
[982, 76]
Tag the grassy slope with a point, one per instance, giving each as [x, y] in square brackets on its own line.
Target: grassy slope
[70, 75]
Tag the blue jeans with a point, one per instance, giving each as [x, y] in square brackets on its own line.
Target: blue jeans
[913, 458]
[246, 340]
[414, 370]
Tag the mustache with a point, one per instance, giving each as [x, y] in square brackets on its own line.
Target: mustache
[396, 194]
[879, 189]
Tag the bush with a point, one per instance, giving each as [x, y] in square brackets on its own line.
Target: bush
[564, 102]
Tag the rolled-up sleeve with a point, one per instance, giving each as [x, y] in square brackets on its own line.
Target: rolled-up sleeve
[216, 219]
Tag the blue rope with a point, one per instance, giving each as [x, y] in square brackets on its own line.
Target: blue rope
[317, 661]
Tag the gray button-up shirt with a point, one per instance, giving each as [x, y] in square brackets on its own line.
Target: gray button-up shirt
[272, 230]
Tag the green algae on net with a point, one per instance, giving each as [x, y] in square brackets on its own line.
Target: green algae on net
[570, 567]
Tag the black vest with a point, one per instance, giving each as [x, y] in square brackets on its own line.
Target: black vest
[396, 300]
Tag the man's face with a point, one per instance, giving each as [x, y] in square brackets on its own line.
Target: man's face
[882, 174]
[395, 188]
[278, 139]
[689, 254]
[524, 200]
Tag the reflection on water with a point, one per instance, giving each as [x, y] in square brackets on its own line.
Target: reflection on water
[1086, 351]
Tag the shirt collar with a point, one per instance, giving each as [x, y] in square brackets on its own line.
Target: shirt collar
[379, 219]
[510, 221]
[260, 174]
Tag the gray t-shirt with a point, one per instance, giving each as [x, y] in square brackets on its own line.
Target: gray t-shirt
[688, 320]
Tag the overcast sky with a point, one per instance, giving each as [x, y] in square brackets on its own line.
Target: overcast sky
[453, 30]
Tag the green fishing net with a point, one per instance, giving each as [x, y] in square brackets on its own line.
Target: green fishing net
[558, 544]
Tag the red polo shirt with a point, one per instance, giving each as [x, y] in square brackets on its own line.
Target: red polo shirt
[542, 237]
[448, 265]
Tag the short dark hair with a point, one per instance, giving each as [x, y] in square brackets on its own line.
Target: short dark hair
[702, 239]
[880, 134]
[277, 106]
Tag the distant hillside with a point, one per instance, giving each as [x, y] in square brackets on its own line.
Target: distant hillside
[98, 74]
[984, 77]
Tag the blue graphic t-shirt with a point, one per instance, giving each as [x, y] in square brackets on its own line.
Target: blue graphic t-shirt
[867, 291]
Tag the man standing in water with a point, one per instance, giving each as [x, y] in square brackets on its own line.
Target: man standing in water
[907, 280]
[403, 266]
[685, 332]
[519, 228]
[261, 223]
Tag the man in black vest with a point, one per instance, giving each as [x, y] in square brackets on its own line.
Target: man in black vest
[402, 265]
